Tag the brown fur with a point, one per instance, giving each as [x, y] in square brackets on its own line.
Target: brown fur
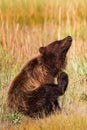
[40, 70]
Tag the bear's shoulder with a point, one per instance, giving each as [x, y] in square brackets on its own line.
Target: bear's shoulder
[30, 65]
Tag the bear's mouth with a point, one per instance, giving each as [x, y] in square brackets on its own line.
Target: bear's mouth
[65, 50]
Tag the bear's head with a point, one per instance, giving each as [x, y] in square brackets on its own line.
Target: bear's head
[54, 54]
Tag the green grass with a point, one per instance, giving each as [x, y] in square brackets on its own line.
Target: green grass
[24, 27]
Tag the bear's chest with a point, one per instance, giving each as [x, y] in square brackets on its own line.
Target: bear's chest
[42, 75]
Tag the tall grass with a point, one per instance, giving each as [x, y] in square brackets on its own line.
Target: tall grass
[26, 25]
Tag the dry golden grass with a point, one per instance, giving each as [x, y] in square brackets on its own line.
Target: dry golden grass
[24, 27]
[54, 122]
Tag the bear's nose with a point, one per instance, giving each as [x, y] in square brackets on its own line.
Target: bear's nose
[69, 38]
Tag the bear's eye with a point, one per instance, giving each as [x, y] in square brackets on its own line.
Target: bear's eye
[51, 55]
[56, 45]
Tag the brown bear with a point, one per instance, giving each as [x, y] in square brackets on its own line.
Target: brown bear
[33, 90]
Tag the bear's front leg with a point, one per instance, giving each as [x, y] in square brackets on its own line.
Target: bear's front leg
[56, 105]
[62, 84]
[46, 95]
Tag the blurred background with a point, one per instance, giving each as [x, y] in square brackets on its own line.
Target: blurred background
[25, 25]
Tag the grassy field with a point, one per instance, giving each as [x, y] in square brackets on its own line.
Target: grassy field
[26, 25]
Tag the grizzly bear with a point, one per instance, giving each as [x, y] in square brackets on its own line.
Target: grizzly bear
[33, 90]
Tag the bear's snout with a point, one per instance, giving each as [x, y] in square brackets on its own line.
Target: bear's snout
[69, 38]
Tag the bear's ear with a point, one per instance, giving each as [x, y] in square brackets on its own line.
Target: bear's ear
[42, 50]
